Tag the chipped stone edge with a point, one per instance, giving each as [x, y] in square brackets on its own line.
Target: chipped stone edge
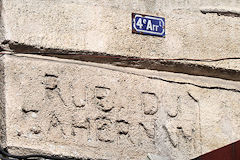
[221, 10]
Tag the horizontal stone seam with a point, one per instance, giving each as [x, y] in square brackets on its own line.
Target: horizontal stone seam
[159, 65]
[179, 65]
[15, 47]
[141, 75]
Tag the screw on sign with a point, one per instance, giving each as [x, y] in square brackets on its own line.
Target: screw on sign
[148, 25]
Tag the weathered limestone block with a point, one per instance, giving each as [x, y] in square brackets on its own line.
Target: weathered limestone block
[88, 110]
[195, 29]
[2, 31]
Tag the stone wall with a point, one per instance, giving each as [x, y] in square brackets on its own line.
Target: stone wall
[192, 29]
[99, 111]
[75, 81]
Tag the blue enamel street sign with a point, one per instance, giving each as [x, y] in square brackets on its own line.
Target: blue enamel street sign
[148, 25]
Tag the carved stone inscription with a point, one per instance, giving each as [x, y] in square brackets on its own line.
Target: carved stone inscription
[94, 112]
[118, 112]
[150, 103]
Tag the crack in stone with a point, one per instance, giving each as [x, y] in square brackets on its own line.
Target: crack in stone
[196, 85]
[192, 97]
[200, 127]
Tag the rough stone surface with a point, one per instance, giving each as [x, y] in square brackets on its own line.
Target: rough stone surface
[195, 29]
[89, 110]
[2, 30]
[2, 105]
[96, 111]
